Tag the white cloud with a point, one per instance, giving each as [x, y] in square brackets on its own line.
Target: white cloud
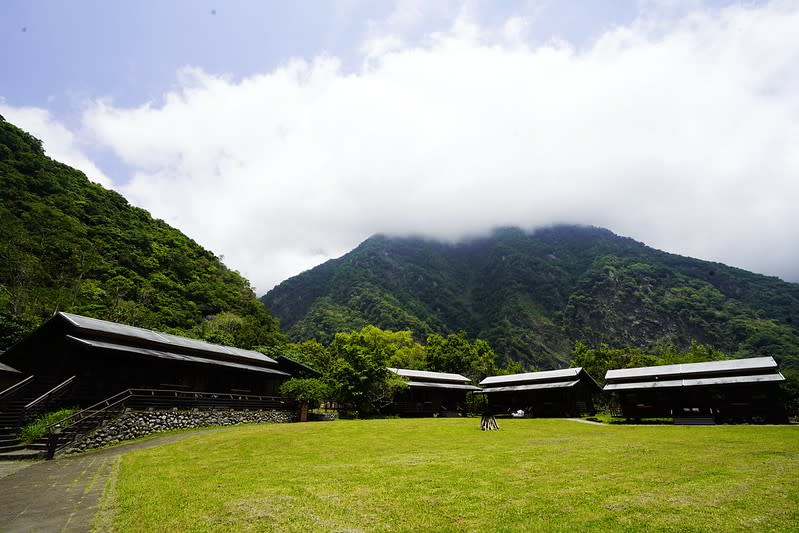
[680, 132]
[59, 142]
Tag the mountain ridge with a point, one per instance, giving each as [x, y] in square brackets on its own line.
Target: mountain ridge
[67, 244]
[533, 294]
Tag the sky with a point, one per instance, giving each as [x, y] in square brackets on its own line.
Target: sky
[282, 134]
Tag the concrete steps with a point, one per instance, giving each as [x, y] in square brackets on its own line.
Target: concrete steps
[12, 449]
[24, 454]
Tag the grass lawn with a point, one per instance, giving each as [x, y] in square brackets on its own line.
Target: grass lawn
[447, 475]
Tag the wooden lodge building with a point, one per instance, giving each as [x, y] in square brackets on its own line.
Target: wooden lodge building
[734, 390]
[553, 393]
[430, 393]
[8, 375]
[73, 360]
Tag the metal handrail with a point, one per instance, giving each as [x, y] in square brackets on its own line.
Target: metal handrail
[61, 387]
[57, 432]
[66, 427]
[98, 407]
[15, 387]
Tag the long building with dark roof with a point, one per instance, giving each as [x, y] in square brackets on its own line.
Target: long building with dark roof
[78, 360]
[8, 375]
[431, 393]
[716, 391]
[551, 393]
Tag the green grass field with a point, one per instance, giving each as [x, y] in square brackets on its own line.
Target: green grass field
[447, 475]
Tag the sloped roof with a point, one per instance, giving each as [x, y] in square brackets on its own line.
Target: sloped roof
[670, 383]
[425, 375]
[6, 368]
[533, 386]
[161, 354]
[165, 341]
[434, 385]
[729, 372]
[710, 367]
[296, 368]
[529, 377]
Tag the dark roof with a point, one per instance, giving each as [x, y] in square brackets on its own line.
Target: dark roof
[729, 372]
[130, 335]
[433, 385]
[529, 377]
[727, 380]
[565, 377]
[427, 376]
[297, 368]
[710, 367]
[171, 355]
[534, 386]
[6, 368]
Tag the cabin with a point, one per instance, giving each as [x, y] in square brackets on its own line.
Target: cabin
[296, 368]
[8, 375]
[737, 390]
[552, 393]
[431, 393]
[73, 360]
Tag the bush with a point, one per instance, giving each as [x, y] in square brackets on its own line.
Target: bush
[38, 428]
[310, 390]
[476, 404]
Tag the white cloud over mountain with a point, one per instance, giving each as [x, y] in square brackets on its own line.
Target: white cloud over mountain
[682, 133]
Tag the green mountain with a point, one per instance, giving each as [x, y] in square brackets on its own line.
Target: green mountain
[67, 244]
[532, 295]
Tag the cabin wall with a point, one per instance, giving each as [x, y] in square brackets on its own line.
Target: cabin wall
[725, 404]
[422, 401]
[544, 403]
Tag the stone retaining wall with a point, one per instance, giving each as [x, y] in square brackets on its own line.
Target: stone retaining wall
[134, 424]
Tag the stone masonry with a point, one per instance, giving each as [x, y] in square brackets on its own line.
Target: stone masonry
[134, 424]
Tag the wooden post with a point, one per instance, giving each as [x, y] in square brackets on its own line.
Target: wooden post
[488, 422]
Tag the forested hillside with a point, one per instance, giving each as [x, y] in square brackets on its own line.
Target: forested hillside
[533, 295]
[67, 244]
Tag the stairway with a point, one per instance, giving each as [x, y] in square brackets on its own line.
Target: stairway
[12, 449]
[12, 409]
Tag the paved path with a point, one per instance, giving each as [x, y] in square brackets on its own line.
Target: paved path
[9, 467]
[64, 494]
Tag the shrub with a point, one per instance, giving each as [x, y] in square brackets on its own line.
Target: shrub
[310, 390]
[38, 428]
[476, 404]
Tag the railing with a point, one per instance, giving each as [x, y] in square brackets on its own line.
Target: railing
[15, 387]
[44, 401]
[63, 433]
[212, 400]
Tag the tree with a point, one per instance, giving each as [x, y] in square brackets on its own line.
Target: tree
[455, 353]
[697, 353]
[15, 327]
[790, 390]
[359, 375]
[311, 353]
[67, 244]
[597, 361]
[311, 390]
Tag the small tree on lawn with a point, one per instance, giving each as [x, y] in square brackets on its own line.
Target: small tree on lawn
[310, 390]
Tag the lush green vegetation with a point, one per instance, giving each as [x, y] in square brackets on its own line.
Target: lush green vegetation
[67, 244]
[38, 428]
[597, 361]
[447, 475]
[532, 295]
[354, 366]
